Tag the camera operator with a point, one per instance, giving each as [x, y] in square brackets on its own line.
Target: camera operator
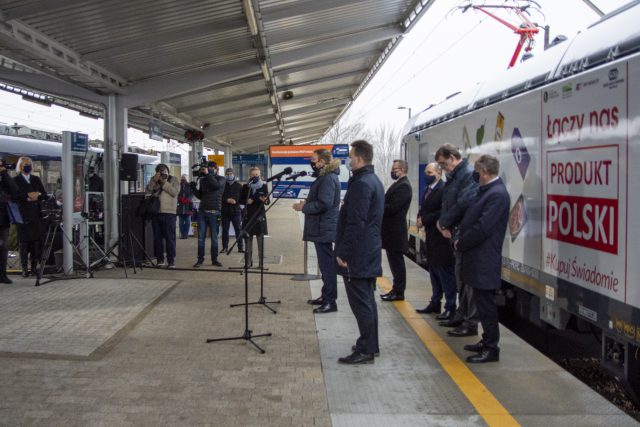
[8, 188]
[208, 188]
[165, 187]
[255, 194]
[28, 196]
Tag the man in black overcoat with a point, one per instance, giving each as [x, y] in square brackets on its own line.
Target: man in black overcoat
[358, 249]
[395, 238]
[459, 192]
[479, 240]
[440, 260]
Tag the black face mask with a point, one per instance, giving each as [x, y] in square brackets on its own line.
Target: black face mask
[429, 179]
[313, 165]
[27, 169]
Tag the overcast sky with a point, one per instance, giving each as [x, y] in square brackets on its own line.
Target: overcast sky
[447, 51]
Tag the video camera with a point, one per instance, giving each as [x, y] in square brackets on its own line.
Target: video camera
[197, 170]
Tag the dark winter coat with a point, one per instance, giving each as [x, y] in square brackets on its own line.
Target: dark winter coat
[96, 183]
[255, 212]
[481, 236]
[459, 191]
[8, 188]
[439, 250]
[395, 236]
[210, 192]
[185, 196]
[322, 205]
[358, 237]
[31, 228]
[231, 191]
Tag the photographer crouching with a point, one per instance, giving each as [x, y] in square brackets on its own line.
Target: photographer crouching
[166, 188]
[208, 188]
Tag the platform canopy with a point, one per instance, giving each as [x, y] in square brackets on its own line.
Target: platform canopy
[249, 73]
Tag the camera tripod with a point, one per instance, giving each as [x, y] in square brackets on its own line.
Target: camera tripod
[53, 227]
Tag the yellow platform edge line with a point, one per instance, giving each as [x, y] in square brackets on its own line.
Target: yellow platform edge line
[488, 407]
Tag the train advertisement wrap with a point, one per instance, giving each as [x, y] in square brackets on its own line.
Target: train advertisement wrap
[584, 142]
[564, 155]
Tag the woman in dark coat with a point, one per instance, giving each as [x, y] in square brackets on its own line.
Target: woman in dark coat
[8, 189]
[29, 194]
[255, 196]
[185, 207]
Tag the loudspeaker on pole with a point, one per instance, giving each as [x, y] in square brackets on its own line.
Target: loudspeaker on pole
[129, 167]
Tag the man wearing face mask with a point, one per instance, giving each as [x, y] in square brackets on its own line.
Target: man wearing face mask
[320, 220]
[358, 249]
[8, 188]
[459, 192]
[28, 197]
[479, 240]
[95, 182]
[440, 260]
[231, 209]
[395, 238]
[255, 195]
[208, 189]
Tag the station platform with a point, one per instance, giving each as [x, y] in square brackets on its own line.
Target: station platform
[132, 351]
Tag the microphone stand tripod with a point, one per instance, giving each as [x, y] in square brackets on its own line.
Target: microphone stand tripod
[248, 333]
[262, 300]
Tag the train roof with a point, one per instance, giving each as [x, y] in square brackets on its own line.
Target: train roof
[41, 150]
[615, 35]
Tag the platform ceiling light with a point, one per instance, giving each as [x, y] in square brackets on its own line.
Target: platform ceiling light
[251, 17]
[265, 71]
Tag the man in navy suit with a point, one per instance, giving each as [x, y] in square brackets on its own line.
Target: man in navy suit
[479, 240]
[440, 260]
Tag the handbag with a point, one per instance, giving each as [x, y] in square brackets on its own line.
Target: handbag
[15, 217]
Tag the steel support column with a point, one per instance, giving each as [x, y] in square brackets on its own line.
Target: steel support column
[115, 136]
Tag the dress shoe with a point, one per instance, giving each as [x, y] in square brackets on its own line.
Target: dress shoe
[356, 358]
[463, 331]
[326, 308]
[376, 354]
[317, 301]
[216, 263]
[446, 315]
[387, 294]
[241, 250]
[198, 264]
[431, 308]
[486, 355]
[451, 323]
[392, 296]
[477, 347]
[6, 280]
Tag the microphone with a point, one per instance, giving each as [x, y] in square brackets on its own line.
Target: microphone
[279, 175]
[297, 175]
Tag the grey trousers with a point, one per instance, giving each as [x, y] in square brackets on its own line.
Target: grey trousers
[466, 305]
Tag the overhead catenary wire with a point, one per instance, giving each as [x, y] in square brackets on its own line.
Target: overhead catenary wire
[404, 83]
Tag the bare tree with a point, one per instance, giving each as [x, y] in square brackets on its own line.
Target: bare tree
[345, 132]
[386, 148]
